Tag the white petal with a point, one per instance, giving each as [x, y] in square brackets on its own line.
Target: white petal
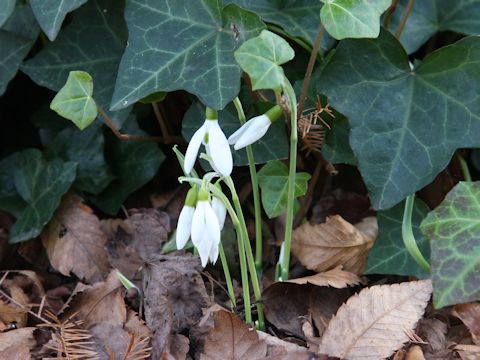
[184, 226]
[214, 252]
[255, 132]
[219, 149]
[212, 225]
[232, 139]
[212, 164]
[193, 147]
[220, 210]
[199, 226]
[204, 248]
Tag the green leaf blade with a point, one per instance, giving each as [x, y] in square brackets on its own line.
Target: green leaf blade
[454, 232]
[74, 100]
[6, 10]
[199, 60]
[352, 18]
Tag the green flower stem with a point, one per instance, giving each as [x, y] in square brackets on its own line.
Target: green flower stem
[228, 278]
[255, 191]
[251, 262]
[464, 167]
[241, 248]
[409, 238]
[292, 100]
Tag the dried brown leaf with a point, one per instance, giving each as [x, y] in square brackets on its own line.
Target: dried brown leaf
[415, 353]
[232, 339]
[372, 324]
[18, 337]
[470, 316]
[336, 242]
[16, 352]
[75, 242]
[15, 311]
[434, 332]
[468, 352]
[276, 346]
[337, 278]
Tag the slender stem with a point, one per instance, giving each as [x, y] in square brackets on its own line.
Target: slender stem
[162, 123]
[251, 262]
[388, 14]
[308, 72]
[405, 16]
[464, 167]
[305, 45]
[241, 248]
[255, 192]
[409, 238]
[228, 278]
[291, 178]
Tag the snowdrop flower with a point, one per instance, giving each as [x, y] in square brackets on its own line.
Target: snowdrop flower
[216, 145]
[254, 129]
[220, 210]
[205, 229]
[184, 225]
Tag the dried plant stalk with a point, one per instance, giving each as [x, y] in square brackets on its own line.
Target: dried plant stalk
[138, 348]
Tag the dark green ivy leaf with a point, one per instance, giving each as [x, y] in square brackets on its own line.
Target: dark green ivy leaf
[10, 200]
[406, 124]
[454, 232]
[6, 10]
[183, 45]
[93, 42]
[389, 255]
[430, 16]
[134, 163]
[273, 146]
[41, 184]
[51, 13]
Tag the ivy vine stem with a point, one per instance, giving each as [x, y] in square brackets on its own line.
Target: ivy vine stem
[409, 238]
[241, 248]
[255, 191]
[257, 292]
[404, 19]
[292, 101]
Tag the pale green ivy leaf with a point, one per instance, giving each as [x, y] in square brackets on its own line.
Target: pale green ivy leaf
[51, 13]
[185, 45]
[454, 232]
[273, 182]
[261, 58]
[353, 18]
[74, 100]
[405, 124]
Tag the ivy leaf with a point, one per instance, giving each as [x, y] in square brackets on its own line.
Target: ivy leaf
[6, 10]
[273, 146]
[389, 255]
[41, 184]
[273, 182]
[298, 18]
[86, 148]
[406, 124]
[16, 38]
[51, 13]
[454, 232]
[430, 16]
[261, 58]
[198, 57]
[10, 200]
[336, 148]
[99, 22]
[133, 164]
[74, 100]
[353, 18]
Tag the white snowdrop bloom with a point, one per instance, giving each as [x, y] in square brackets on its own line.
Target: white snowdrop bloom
[220, 210]
[254, 129]
[211, 135]
[205, 229]
[184, 225]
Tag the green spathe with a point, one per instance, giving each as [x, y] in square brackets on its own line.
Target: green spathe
[74, 100]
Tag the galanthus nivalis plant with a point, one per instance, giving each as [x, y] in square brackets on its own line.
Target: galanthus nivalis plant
[254, 129]
[211, 135]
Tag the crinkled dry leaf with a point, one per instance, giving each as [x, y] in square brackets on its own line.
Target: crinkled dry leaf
[101, 303]
[415, 353]
[336, 278]
[18, 337]
[468, 352]
[470, 316]
[336, 242]
[177, 348]
[15, 311]
[75, 242]
[276, 346]
[434, 332]
[232, 339]
[16, 352]
[373, 324]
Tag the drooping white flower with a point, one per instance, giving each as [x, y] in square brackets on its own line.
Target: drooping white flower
[184, 226]
[205, 229]
[220, 210]
[254, 129]
[216, 144]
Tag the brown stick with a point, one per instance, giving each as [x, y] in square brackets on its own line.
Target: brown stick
[162, 123]
[405, 16]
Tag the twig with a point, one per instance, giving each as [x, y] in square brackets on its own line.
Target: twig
[406, 14]
[162, 123]
[3, 293]
[308, 72]
[389, 13]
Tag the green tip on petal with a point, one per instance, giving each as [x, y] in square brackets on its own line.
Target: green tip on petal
[191, 199]
[203, 194]
[274, 113]
[211, 114]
